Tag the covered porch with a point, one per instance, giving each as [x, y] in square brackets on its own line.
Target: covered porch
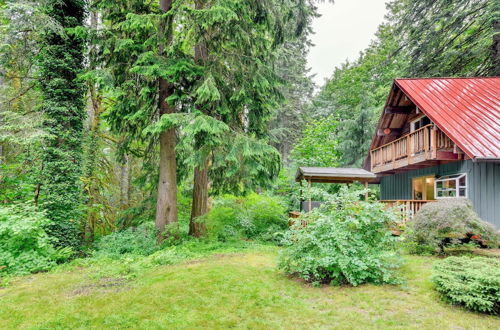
[348, 176]
[331, 175]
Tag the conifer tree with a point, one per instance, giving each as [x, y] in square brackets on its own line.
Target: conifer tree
[60, 62]
[166, 206]
[236, 44]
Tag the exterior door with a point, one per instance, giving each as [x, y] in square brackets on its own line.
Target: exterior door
[423, 188]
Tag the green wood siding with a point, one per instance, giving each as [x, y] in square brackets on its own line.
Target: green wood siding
[483, 181]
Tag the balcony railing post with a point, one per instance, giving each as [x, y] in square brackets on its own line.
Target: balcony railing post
[409, 151]
[434, 142]
[427, 140]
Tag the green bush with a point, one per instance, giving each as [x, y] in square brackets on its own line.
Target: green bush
[25, 247]
[347, 241]
[253, 217]
[140, 240]
[447, 222]
[470, 282]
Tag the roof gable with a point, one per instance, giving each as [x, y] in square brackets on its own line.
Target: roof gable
[467, 110]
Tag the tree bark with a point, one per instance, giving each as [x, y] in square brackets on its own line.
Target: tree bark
[124, 182]
[199, 204]
[166, 206]
[94, 111]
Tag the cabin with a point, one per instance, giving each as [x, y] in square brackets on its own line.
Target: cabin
[439, 138]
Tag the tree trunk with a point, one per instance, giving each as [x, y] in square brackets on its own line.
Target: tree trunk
[166, 206]
[94, 111]
[124, 182]
[199, 205]
[200, 201]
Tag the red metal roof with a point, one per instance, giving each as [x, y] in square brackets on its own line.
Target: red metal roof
[467, 110]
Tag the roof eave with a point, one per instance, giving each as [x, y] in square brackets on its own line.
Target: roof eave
[486, 159]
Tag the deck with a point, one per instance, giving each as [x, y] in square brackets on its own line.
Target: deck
[419, 148]
[407, 207]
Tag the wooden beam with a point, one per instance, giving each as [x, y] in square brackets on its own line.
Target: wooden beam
[395, 110]
[388, 132]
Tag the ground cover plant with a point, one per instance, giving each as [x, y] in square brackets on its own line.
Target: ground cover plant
[254, 216]
[448, 222]
[196, 293]
[140, 240]
[470, 282]
[25, 246]
[347, 241]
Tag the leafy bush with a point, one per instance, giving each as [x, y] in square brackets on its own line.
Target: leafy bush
[471, 282]
[447, 222]
[254, 217]
[25, 246]
[347, 241]
[139, 240]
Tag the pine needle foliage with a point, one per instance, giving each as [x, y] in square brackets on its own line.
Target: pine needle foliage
[470, 282]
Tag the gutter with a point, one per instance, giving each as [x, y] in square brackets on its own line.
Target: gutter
[486, 159]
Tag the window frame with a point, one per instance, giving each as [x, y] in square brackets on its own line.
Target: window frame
[452, 177]
[417, 120]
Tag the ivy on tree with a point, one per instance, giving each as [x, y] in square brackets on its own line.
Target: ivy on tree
[60, 62]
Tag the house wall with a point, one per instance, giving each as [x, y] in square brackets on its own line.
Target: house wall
[483, 181]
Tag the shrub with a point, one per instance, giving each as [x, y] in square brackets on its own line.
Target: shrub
[347, 241]
[470, 282]
[139, 240]
[25, 246]
[447, 222]
[254, 217]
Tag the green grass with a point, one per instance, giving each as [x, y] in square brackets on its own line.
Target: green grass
[234, 289]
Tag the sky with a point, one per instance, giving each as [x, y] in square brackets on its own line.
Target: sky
[345, 28]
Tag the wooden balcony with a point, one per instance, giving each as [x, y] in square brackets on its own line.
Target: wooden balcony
[408, 208]
[425, 144]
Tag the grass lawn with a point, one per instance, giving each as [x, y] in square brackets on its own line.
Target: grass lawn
[241, 289]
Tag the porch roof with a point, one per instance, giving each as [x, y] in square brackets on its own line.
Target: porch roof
[334, 175]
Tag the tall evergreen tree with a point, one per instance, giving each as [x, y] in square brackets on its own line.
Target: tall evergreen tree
[60, 62]
[446, 37]
[166, 206]
[148, 71]
[289, 119]
[235, 45]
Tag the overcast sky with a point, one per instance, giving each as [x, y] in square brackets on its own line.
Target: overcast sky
[344, 29]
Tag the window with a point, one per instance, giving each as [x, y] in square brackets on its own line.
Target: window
[423, 188]
[419, 123]
[451, 186]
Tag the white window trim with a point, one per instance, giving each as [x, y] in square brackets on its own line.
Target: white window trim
[457, 186]
[412, 123]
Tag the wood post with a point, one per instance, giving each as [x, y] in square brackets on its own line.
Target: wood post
[310, 197]
[426, 142]
[366, 192]
[301, 198]
[408, 147]
[434, 142]
[393, 151]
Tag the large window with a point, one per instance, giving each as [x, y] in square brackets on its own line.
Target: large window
[451, 186]
[423, 188]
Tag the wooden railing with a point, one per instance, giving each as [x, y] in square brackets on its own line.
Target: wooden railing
[408, 207]
[420, 145]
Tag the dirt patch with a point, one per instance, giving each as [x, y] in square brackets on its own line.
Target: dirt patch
[495, 253]
[214, 256]
[106, 284]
